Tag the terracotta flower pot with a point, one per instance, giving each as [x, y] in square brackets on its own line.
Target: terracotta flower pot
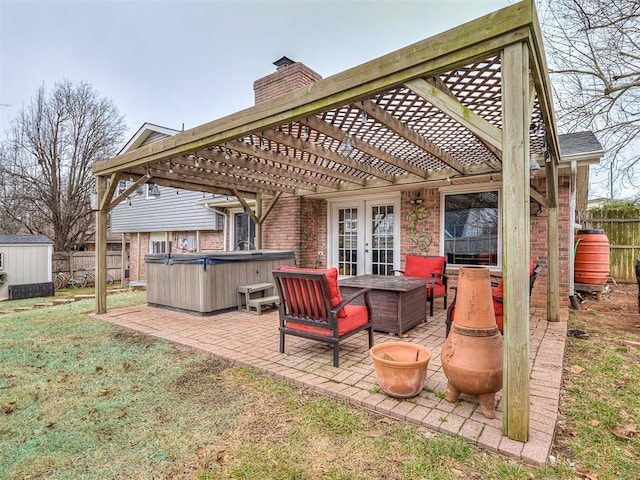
[401, 367]
[472, 354]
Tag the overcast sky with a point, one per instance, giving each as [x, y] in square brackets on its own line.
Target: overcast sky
[173, 62]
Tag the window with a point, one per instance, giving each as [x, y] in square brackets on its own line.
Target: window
[1, 261]
[159, 247]
[158, 243]
[187, 243]
[122, 186]
[470, 228]
[153, 191]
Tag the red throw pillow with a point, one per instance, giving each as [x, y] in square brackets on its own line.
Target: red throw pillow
[417, 266]
[332, 280]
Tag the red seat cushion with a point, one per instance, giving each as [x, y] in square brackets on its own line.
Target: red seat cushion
[355, 316]
[331, 275]
[417, 266]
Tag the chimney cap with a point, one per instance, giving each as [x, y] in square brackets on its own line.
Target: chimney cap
[283, 62]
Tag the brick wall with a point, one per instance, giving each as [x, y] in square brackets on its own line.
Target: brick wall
[211, 241]
[281, 229]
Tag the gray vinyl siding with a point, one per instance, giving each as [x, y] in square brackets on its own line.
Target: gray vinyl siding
[154, 137]
[170, 212]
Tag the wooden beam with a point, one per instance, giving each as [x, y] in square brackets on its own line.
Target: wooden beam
[101, 247]
[219, 186]
[140, 181]
[297, 179]
[485, 131]
[538, 197]
[326, 128]
[219, 165]
[111, 189]
[247, 208]
[324, 153]
[395, 125]
[553, 244]
[516, 240]
[270, 206]
[280, 158]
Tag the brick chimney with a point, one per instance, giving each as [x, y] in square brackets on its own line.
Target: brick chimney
[288, 76]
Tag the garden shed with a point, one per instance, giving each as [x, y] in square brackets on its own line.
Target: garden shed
[25, 266]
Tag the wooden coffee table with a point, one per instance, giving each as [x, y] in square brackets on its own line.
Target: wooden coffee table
[397, 303]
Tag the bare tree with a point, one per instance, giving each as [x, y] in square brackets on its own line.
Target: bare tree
[46, 162]
[593, 48]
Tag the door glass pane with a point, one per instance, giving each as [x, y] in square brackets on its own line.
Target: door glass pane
[471, 228]
[382, 240]
[244, 232]
[348, 241]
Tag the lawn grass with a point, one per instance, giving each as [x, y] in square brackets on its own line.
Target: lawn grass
[601, 401]
[82, 398]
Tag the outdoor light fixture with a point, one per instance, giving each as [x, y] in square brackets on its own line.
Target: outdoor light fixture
[148, 173]
[128, 201]
[170, 167]
[534, 165]
[491, 176]
[93, 201]
[196, 162]
[226, 153]
[346, 147]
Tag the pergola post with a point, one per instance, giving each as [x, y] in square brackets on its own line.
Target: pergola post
[515, 239]
[553, 245]
[101, 245]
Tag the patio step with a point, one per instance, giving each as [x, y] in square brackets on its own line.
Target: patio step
[258, 303]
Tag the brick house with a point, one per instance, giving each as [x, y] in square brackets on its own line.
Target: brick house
[448, 146]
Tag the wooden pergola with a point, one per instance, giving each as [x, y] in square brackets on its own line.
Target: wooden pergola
[467, 105]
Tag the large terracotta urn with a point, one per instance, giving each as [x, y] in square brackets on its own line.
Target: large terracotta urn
[472, 354]
[400, 367]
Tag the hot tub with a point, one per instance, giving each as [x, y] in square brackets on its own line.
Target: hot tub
[207, 283]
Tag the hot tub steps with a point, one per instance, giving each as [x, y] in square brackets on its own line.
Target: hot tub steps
[252, 297]
[258, 303]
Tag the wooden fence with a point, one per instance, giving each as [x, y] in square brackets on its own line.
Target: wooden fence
[622, 227]
[81, 261]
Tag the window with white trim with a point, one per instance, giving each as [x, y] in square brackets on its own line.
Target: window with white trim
[158, 243]
[471, 227]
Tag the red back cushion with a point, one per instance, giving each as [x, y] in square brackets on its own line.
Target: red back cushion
[331, 275]
[499, 290]
[417, 266]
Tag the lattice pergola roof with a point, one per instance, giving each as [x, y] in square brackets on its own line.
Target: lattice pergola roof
[433, 114]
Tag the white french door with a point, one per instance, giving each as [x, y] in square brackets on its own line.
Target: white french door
[364, 235]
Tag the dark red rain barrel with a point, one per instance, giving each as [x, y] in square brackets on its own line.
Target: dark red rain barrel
[592, 257]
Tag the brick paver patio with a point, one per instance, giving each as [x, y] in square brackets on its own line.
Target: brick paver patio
[253, 340]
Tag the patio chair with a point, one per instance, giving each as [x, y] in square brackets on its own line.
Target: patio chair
[498, 296]
[429, 266]
[312, 307]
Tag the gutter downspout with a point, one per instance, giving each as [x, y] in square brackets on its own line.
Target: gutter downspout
[572, 227]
